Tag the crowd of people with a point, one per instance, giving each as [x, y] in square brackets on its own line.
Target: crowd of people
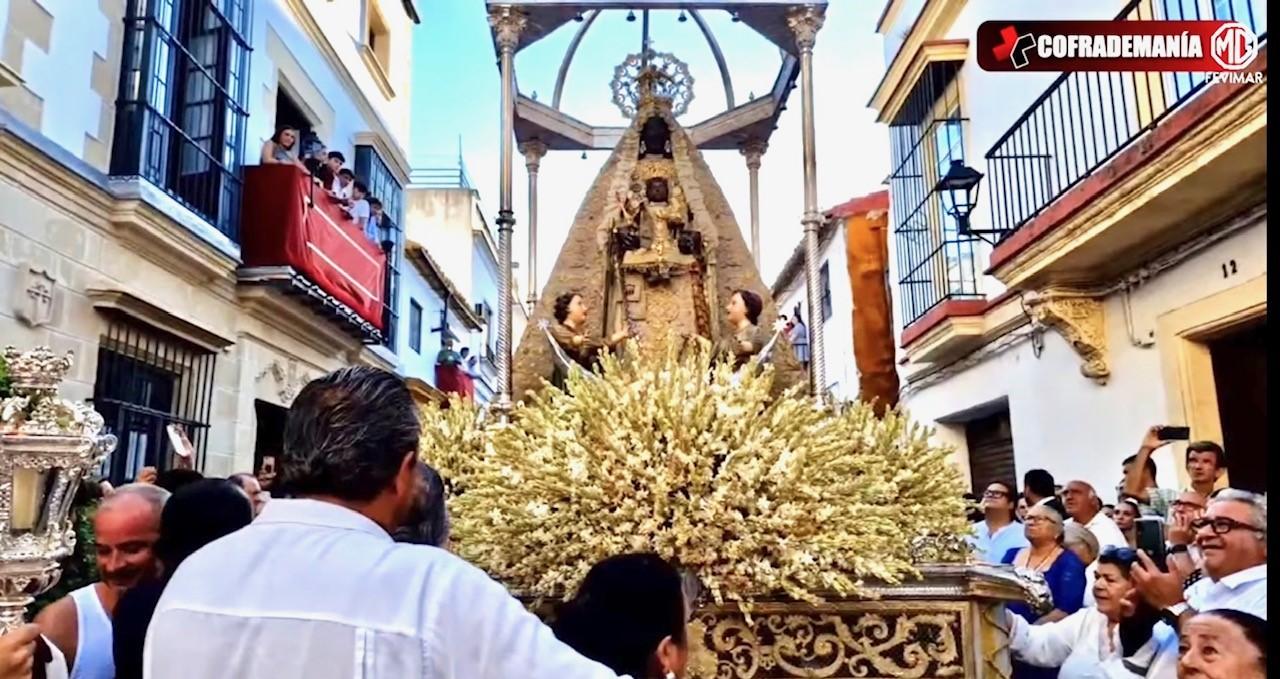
[1161, 584]
[336, 564]
[328, 170]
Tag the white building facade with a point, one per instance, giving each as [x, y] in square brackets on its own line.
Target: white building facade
[445, 219]
[1113, 274]
[126, 129]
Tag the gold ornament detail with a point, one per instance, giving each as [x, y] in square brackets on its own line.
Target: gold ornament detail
[865, 640]
[1081, 322]
[670, 453]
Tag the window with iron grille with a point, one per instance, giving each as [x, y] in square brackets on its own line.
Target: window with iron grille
[148, 380]
[370, 168]
[935, 262]
[415, 326]
[180, 116]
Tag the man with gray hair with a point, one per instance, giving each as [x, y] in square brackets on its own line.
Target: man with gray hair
[1081, 502]
[125, 529]
[1232, 537]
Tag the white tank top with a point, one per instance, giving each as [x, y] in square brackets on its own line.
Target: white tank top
[95, 657]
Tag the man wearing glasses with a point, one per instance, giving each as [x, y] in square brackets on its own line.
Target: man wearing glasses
[997, 532]
[1232, 537]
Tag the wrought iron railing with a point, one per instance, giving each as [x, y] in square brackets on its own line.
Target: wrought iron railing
[441, 172]
[1084, 119]
[935, 261]
[146, 381]
[180, 116]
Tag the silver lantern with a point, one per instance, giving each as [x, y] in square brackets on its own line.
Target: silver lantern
[47, 445]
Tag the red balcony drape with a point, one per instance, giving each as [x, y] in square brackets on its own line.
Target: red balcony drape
[282, 226]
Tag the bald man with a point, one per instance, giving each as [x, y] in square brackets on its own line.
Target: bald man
[125, 528]
[1081, 501]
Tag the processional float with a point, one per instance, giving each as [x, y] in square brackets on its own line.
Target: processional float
[660, 446]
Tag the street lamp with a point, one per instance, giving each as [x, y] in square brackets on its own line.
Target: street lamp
[959, 191]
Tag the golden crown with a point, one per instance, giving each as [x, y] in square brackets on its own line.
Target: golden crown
[649, 168]
[36, 370]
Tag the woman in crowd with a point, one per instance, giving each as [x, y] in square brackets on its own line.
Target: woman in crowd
[430, 524]
[1062, 570]
[1082, 542]
[629, 615]
[1223, 644]
[1127, 511]
[279, 149]
[197, 514]
[1115, 638]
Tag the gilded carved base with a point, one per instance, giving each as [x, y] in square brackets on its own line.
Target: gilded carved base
[836, 641]
[1080, 321]
[949, 623]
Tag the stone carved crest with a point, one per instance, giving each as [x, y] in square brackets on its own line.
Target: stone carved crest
[34, 296]
[289, 379]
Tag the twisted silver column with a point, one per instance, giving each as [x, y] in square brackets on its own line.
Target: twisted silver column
[805, 22]
[533, 151]
[507, 24]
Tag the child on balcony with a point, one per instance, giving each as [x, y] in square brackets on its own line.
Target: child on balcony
[358, 209]
[342, 183]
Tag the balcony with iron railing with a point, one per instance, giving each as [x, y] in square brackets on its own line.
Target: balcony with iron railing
[298, 239]
[1090, 130]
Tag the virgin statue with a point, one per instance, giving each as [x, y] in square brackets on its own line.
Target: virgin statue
[655, 249]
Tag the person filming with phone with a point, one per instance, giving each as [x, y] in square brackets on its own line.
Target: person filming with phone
[1205, 463]
[1232, 539]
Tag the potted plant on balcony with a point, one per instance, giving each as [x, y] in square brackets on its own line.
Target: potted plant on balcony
[808, 528]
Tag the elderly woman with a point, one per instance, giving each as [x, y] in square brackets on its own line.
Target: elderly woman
[1082, 542]
[1121, 636]
[1062, 570]
[1223, 644]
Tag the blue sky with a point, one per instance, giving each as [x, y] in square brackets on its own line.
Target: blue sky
[456, 94]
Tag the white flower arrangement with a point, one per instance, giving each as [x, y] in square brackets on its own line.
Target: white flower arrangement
[754, 496]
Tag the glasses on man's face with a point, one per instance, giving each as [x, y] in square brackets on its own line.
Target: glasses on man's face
[995, 494]
[1222, 525]
[1183, 504]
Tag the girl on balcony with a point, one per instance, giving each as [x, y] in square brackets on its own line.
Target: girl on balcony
[278, 150]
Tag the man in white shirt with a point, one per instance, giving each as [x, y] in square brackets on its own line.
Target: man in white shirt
[315, 587]
[1232, 537]
[1082, 505]
[342, 181]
